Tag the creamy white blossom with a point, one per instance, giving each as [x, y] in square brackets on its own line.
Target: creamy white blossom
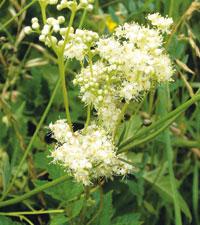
[76, 43]
[115, 69]
[49, 2]
[162, 23]
[87, 154]
[138, 61]
[80, 44]
[108, 112]
[76, 5]
[35, 23]
[27, 30]
[131, 62]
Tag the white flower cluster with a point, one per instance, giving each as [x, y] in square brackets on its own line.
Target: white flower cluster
[35, 26]
[108, 113]
[83, 4]
[131, 62]
[163, 24]
[48, 2]
[94, 82]
[49, 31]
[53, 25]
[115, 69]
[87, 155]
[80, 43]
[98, 84]
[77, 44]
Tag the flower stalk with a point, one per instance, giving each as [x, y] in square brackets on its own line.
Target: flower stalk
[61, 66]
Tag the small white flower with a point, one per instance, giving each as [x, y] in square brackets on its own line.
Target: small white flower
[34, 20]
[53, 2]
[46, 29]
[61, 19]
[35, 26]
[42, 38]
[27, 30]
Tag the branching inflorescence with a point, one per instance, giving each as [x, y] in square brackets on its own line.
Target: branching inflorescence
[115, 70]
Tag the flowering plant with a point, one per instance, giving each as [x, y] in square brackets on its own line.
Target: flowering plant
[104, 87]
[115, 70]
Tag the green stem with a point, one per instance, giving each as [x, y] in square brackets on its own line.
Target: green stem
[186, 143]
[151, 101]
[38, 212]
[90, 62]
[100, 207]
[68, 29]
[18, 14]
[177, 25]
[82, 19]
[171, 8]
[148, 138]
[61, 66]
[84, 209]
[155, 125]
[121, 116]
[26, 219]
[88, 116]
[195, 191]
[2, 3]
[43, 10]
[163, 93]
[32, 140]
[89, 106]
[172, 178]
[34, 192]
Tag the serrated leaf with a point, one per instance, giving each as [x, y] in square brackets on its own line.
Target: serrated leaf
[3, 127]
[76, 207]
[48, 72]
[129, 219]
[60, 219]
[108, 211]
[63, 192]
[163, 187]
[5, 170]
[8, 221]
[43, 161]
[76, 106]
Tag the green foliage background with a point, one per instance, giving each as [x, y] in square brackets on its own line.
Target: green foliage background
[28, 77]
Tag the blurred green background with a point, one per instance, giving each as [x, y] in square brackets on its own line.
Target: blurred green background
[28, 76]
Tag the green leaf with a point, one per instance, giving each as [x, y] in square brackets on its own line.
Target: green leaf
[76, 106]
[76, 207]
[49, 72]
[43, 161]
[72, 210]
[5, 170]
[163, 187]
[128, 219]
[59, 220]
[112, 12]
[129, 128]
[63, 192]
[108, 211]
[3, 127]
[7, 221]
